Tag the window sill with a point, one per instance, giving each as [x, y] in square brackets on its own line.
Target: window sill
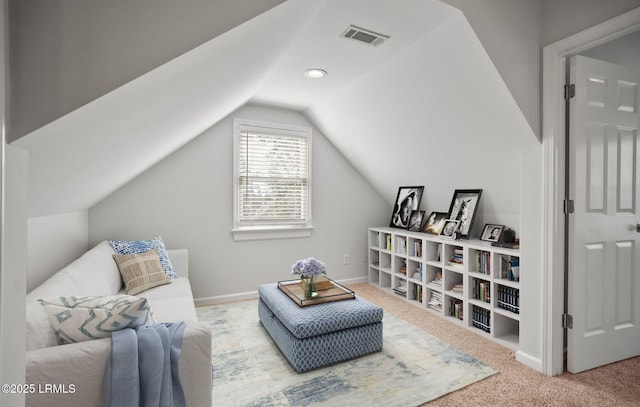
[267, 233]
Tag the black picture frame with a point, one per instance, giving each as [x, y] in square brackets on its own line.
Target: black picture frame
[415, 221]
[435, 222]
[464, 206]
[407, 200]
[491, 232]
[449, 229]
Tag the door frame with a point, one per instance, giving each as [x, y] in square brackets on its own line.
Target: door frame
[554, 59]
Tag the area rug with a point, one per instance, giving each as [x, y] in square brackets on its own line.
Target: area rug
[249, 370]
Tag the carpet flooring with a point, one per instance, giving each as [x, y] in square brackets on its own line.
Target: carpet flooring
[616, 384]
[413, 368]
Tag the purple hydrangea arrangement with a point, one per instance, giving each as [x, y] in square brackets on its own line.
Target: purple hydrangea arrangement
[310, 267]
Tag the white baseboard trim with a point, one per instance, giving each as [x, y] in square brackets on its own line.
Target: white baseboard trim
[251, 295]
[528, 360]
[219, 299]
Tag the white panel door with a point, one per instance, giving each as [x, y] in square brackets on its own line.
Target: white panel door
[604, 280]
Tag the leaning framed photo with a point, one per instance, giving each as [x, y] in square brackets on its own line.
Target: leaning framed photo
[435, 222]
[449, 229]
[407, 200]
[464, 205]
[415, 220]
[491, 233]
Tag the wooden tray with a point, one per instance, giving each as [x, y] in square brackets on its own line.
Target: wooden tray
[328, 291]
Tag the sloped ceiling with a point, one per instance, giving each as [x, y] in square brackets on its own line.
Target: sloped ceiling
[432, 75]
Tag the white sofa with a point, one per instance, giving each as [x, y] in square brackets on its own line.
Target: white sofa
[83, 364]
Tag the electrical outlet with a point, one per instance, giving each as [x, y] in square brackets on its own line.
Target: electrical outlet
[347, 258]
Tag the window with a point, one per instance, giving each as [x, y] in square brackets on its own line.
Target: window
[272, 182]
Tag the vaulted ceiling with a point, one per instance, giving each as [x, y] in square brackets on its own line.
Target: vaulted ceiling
[427, 90]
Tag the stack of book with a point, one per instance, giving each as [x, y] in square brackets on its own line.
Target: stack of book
[436, 301]
[437, 281]
[481, 318]
[401, 245]
[455, 309]
[457, 259]
[509, 299]
[458, 288]
[417, 292]
[481, 290]
[483, 263]
[417, 248]
[401, 288]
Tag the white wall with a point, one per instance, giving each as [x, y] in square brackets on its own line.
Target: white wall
[53, 242]
[13, 266]
[187, 199]
[439, 115]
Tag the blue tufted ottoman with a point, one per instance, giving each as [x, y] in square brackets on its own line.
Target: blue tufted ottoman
[322, 334]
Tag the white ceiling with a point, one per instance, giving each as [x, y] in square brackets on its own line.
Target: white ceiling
[81, 158]
[319, 45]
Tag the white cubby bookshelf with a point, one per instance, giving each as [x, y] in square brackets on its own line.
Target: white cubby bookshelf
[468, 282]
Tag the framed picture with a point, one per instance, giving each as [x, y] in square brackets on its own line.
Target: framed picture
[435, 222]
[463, 208]
[415, 220]
[491, 233]
[408, 200]
[449, 229]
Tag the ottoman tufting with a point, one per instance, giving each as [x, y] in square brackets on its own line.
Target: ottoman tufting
[322, 334]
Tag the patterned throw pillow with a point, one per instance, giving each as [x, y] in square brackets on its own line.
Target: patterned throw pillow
[141, 271]
[141, 246]
[78, 319]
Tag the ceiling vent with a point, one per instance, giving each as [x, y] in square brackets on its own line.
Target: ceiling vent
[365, 36]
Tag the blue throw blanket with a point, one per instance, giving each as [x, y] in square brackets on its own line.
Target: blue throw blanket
[143, 367]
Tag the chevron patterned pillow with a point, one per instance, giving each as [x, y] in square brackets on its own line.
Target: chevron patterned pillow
[78, 319]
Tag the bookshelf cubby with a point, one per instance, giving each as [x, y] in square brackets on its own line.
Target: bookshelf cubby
[467, 282]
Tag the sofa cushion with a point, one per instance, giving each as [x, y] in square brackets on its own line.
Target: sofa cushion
[78, 319]
[141, 246]
[171, 302]
[141, 271]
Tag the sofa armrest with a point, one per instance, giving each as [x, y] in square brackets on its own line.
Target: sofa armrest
[79, 367]
[180, 260]
[77, 370]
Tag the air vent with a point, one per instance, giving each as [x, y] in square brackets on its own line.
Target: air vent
[365, 36]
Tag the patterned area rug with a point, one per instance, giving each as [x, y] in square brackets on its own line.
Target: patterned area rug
[249, 370]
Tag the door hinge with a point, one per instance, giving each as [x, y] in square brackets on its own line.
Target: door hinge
[569, 206]
[569, 91]
[567, 321]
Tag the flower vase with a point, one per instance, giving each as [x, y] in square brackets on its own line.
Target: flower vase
[310, 287]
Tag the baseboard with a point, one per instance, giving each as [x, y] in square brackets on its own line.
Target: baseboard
[219, 299]
[251, 295]
[356, 280]
[528, 360]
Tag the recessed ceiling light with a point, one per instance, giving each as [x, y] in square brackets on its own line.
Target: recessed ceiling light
[315, 73]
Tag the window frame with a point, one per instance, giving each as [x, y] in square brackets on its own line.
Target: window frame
[242, 231]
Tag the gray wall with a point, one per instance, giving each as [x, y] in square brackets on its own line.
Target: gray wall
[187, 199]
[622, 51]
[66, 53]
[514, 32]
[566, 17]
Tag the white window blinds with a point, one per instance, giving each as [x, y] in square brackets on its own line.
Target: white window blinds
[273, 177]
